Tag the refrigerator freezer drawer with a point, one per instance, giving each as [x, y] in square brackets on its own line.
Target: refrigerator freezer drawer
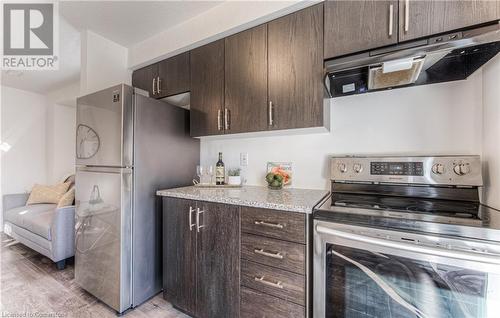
[103, 236]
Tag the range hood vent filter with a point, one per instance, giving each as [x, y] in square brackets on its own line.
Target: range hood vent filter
[394, 73]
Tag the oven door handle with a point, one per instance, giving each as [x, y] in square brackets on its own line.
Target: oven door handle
[440, 252]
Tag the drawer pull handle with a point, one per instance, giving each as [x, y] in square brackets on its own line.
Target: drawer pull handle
[261, 279]
[268, 224]
[261, 251]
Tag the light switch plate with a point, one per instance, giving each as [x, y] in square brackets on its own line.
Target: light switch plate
[244, 159]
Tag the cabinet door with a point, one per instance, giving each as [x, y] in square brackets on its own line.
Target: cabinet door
[246, 80]
[207, 89]
[143, 78]
[296, 69]
[353, 26]
[424, 18]
[179, 253]
[218, 261]
[174, 75]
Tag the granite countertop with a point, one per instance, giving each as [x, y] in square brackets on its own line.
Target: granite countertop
[288, 199]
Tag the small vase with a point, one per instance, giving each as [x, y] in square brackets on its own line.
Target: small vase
[275, 188]
[234, 180]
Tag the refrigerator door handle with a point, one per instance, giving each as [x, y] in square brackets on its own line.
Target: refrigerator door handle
[117, 170]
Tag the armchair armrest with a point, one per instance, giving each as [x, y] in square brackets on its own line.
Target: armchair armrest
[11, 201]
[63, 233]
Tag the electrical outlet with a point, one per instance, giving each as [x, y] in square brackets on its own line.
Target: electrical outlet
[244, 159]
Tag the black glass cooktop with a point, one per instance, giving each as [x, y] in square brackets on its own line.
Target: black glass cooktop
[438, 207]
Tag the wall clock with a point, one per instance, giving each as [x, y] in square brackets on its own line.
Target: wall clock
[87, 142]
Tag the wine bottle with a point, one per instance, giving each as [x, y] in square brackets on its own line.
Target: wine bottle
[220, 173]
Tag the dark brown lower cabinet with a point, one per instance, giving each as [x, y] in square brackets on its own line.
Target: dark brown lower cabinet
[274, 264]
[218, 264]
[179, 254]
[255, 304]
[201, 257]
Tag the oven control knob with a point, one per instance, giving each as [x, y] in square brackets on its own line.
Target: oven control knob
[438, 168]
[461, 169]
[357, 167]
[342, 167]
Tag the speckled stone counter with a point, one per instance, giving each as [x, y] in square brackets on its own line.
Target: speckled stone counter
[288, 199]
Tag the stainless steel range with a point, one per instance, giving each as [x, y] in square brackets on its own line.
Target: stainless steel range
[406, 237]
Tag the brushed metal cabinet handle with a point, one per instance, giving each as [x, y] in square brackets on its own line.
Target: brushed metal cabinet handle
[154, 85]
[261, 251]
[262, 280]
[158, 85]
[219, 119]
[391, 18]
[227, 119]
[270, 114]
[407, 15]
[269, 224]
[198, 226]
[191, 224]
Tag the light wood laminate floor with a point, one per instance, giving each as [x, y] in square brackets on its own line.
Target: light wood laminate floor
[31, 285]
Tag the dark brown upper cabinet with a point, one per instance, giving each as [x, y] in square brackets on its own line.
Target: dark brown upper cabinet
[246, 81]
[165, 78]
[352, 26]
[201, 257]
[173, 76]
[295, 63]
[355, 26]
[143, 78]
[265, 78]
[207, 89]
[425, 18]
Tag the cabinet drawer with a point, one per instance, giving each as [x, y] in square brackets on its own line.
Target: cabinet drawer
[268, 251]
[282, 284]
[287, 226]
[258, 305]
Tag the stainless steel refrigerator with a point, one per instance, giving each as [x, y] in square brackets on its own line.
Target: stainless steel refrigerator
[127, 146]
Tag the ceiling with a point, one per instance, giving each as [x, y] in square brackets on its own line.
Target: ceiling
[130, 22]
[124, 22]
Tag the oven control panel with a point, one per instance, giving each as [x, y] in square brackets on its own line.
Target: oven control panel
[437, 170]
[397, 168]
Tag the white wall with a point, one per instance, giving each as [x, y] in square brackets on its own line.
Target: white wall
[433, 119]
[491, 133]
[65, 95]
[41, 134]
[24, 128]
[222, 20]
[1, 159]
[104, 63]
[61, 123]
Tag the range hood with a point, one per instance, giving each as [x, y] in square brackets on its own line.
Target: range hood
[180, 100]
[449, 57]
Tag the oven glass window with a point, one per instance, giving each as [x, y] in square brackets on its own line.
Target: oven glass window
[364, 284]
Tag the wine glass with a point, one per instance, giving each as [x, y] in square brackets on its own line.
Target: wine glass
[210, 173]
[199, 172]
